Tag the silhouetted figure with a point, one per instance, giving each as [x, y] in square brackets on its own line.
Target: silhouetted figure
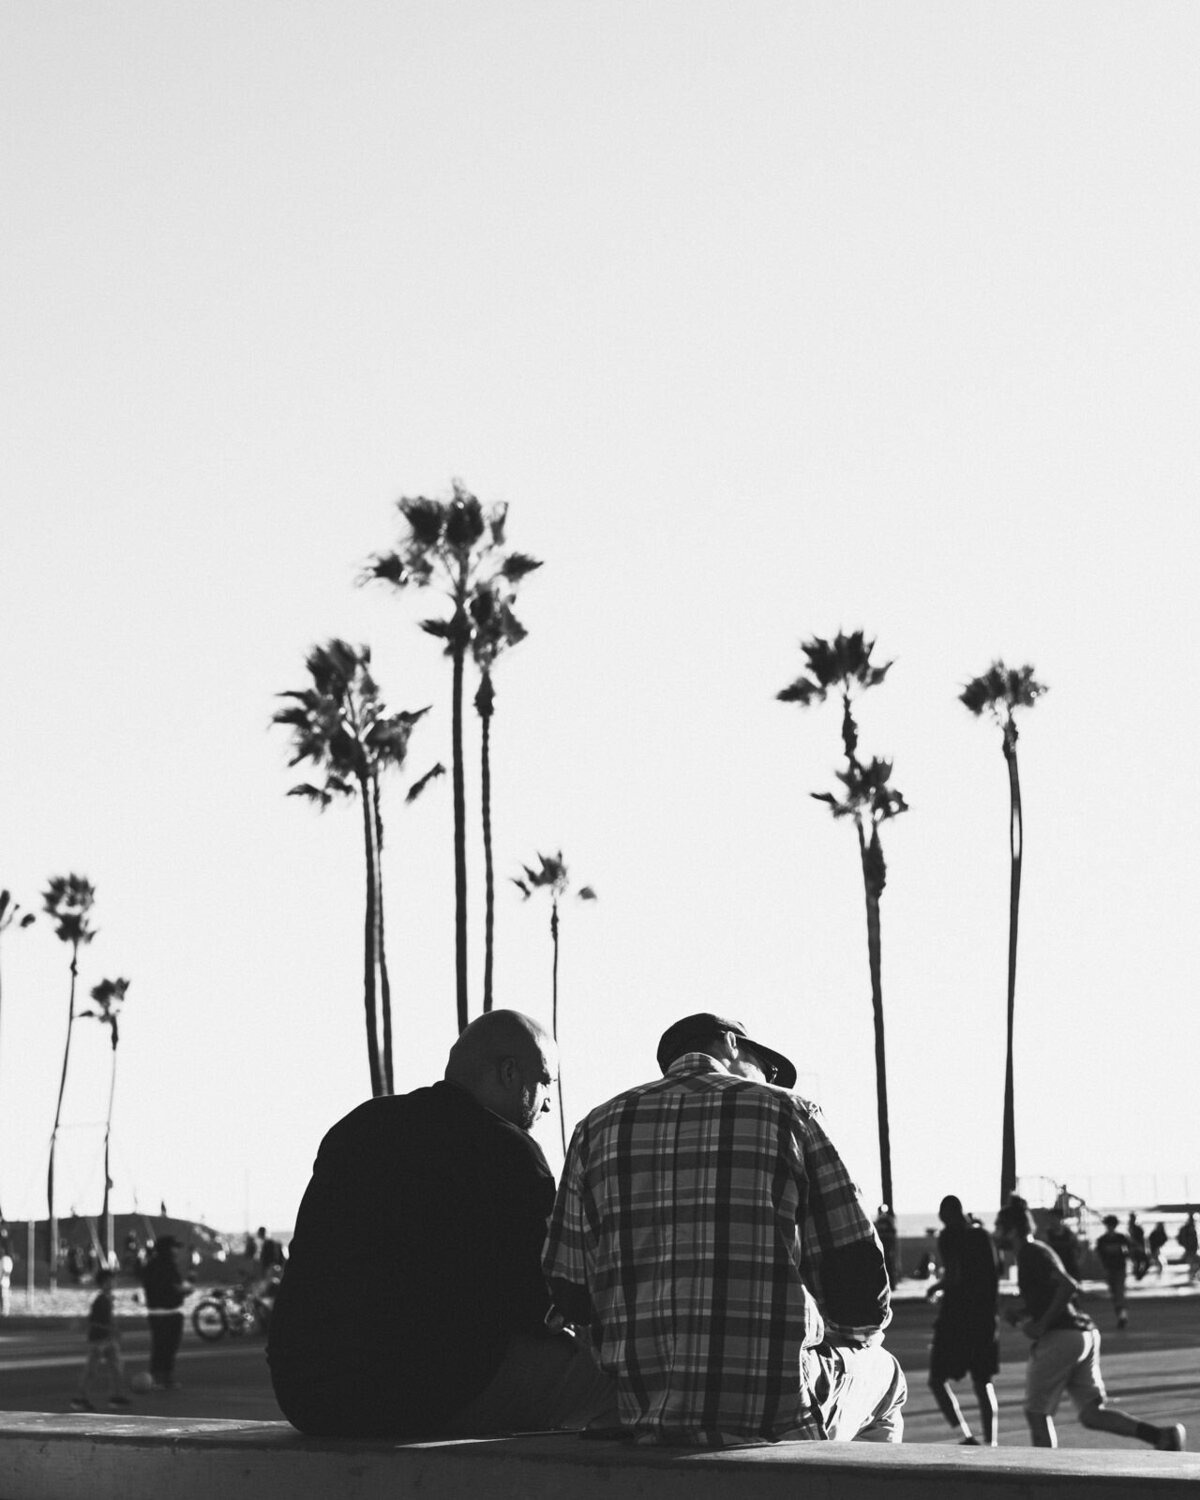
[1059, 1236]
[1139, 1259]
[104, 1349]
[6, 1270]
[1064, 1352]
[1190, 1243]
[164, 1289]
[885, 1228]
[413, 1304]
[1155, 1241]
[964, 1336]
[1114, 1251]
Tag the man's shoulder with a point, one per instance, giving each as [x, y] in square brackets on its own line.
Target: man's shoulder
[702, 1085]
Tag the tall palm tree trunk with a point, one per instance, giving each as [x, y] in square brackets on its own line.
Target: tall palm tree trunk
[385, 987]
[485, 698]
[52, 1249]
[1008, 1149]
[369, 945]
[107, 1208]
[562, 1110]
[875, 960]
[460, 829]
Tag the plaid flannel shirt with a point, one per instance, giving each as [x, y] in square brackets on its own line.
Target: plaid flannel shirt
[718, 1238]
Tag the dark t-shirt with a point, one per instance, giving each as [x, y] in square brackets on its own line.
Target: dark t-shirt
[1113, 1248]
[1065, 1246]
[416, 1256]
[1036, 1264]
[971, 1275]
[100, 1318]
[162, 1282]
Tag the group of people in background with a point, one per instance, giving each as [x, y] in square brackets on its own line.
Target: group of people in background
[164, 1289]
[1064, 1353]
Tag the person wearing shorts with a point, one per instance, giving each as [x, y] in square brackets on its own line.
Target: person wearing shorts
[1064, 1353]
[964, 1336]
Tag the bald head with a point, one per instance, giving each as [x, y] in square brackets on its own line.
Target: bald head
[508, 1063]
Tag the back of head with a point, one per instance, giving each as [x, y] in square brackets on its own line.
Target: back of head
[506, 1061]
[950, 1210]
[487, 1041]
[1015, 1215]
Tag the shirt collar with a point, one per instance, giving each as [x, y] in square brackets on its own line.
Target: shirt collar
[696, 1062]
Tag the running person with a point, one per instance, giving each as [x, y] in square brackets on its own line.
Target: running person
[1064, 1352]
[964, 1336]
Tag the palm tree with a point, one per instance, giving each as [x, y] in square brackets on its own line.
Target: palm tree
[68, 901]
[551, 875]
[10, 913]
[109, 997]
[1000, 692]
[869, 800]
[494, 628]
[341, 725]
[457, 544]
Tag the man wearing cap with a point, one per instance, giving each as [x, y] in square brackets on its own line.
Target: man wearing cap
[164, 1289]
[709, 1234]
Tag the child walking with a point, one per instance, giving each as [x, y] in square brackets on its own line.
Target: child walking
[104, 1349]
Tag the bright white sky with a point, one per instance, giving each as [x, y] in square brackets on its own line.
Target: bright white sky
[766, 319]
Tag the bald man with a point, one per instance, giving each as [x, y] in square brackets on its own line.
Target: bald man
[413, 1304]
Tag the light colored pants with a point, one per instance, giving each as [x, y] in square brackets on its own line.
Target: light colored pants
[1064, 1359]
[862, 1394]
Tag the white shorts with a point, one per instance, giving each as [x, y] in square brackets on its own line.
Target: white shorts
[860, 1393]
[1064, 1359]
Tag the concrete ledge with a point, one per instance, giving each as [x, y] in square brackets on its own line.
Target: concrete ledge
[148, 1458]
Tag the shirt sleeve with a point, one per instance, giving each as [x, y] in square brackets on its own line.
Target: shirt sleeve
[565, 1254]
[843, 1260]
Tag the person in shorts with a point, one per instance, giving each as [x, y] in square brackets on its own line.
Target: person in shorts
[964, 1336]
[1064, 1352]
[104, 1349]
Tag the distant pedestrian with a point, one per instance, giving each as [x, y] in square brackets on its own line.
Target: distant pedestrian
[1189, 1239]
[885, 1228]
[1155, 1242]
[104, 1349]
[1062, 1241]
[6, 1271]
[164, 1289]
[1114, 1251]
[964, 1336]
[1137, 1247]
[1064, 1349]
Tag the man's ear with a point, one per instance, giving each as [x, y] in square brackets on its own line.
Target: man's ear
[506, 1068]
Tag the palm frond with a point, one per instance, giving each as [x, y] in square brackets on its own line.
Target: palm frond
[422, 782]
[465, 521]
[311, 793]
[68, 900]
[518, 565]
[803, 691]
[1001, 688]
[426, 519]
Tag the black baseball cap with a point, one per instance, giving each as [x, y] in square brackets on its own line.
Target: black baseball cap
[702, 1027]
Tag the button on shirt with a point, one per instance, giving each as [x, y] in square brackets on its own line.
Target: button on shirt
[718, 1236]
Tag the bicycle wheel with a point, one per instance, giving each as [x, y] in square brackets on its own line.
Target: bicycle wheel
[208, 1319]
